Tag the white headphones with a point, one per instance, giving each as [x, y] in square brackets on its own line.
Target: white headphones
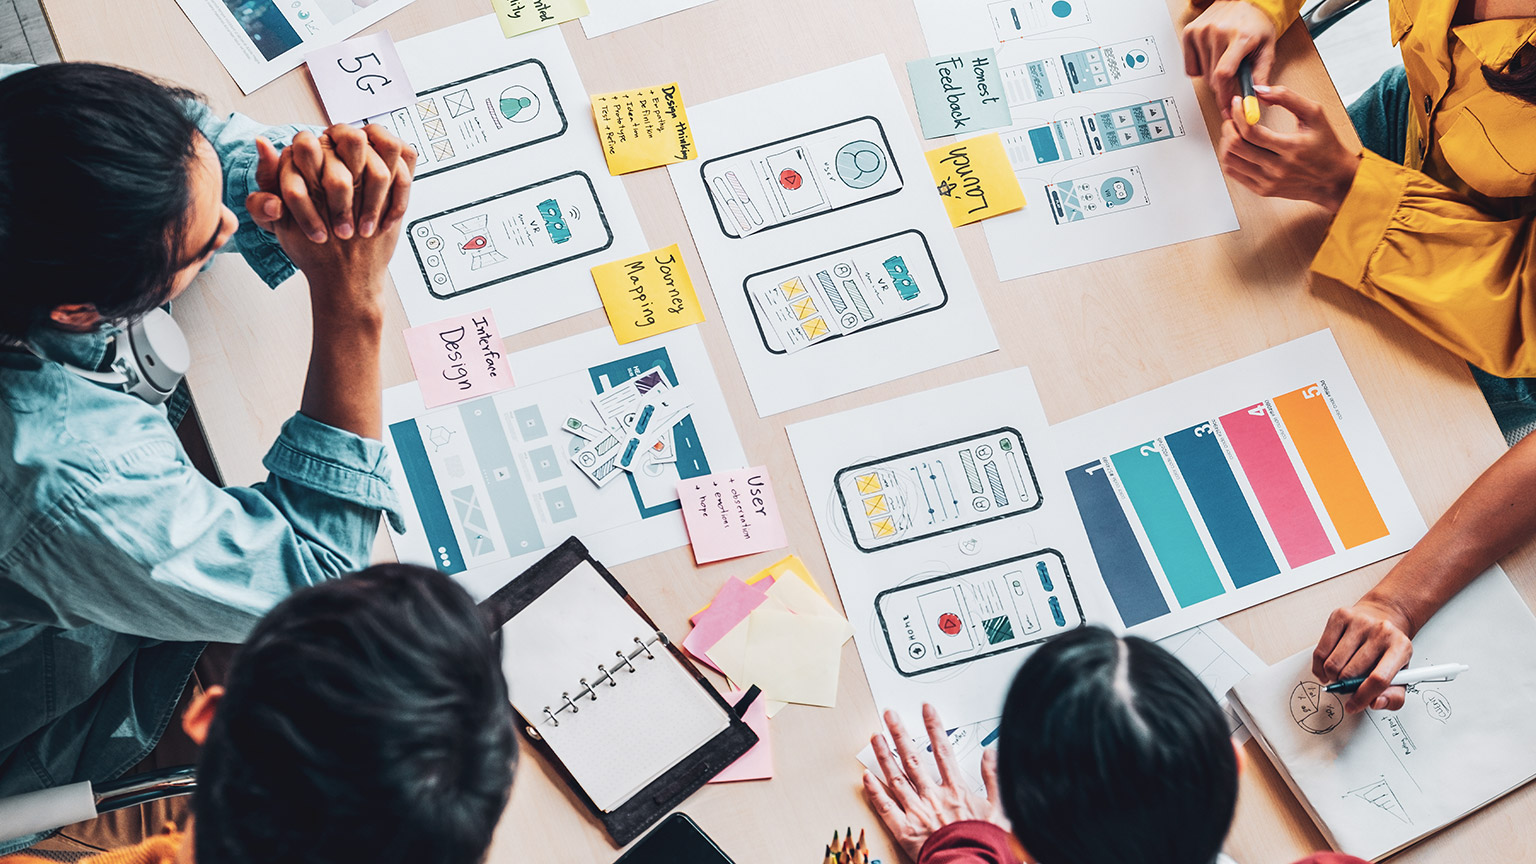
[149, 357]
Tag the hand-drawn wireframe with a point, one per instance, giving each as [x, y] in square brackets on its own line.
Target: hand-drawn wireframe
[1314, 709]
[475, 118]
[840, 293]
[1021, 19]
[1380, 795]
[800, 177]
[512, 234]
[934, 490]
[1097, 195]
[1081, 71]
[1093, 134]
[962, 617]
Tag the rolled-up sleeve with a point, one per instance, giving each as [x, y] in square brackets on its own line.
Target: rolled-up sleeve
[1281, 12]
[968, 842]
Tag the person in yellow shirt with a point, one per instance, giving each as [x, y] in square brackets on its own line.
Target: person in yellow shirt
[364, 720]
[1436, 219]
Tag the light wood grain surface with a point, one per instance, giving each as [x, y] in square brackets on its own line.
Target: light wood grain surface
[1092, 335]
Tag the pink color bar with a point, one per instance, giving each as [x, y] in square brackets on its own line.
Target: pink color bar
[1280, 493]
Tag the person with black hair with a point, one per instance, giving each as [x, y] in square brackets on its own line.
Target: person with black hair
[1110, 751]
[365, 719]
[118, 559]
[1436, 218]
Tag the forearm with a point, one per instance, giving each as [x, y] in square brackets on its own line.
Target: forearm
[1496, 514]
[342, 388]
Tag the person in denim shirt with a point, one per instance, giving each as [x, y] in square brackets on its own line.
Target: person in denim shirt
[118, 560]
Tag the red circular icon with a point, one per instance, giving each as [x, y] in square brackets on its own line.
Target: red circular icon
[949, 622]
[790, 179]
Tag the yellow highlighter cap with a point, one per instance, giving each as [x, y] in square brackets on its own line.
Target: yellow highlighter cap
[1251, 109]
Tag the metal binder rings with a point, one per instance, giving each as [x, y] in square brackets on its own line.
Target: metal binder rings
[588, 689]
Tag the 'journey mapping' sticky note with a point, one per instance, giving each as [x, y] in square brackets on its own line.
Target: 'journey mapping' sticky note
[960, 93]
[647, 294]
[731, 513]
[975, 179]
[458, 358]
[643, 128]
[360, 77]
[524, 16]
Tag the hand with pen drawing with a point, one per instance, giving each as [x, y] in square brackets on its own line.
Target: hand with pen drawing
[910, 802]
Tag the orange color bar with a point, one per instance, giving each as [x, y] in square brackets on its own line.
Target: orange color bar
[1331, 466]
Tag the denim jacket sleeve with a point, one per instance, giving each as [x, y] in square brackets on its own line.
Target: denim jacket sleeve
[168, 555]
[234, 138]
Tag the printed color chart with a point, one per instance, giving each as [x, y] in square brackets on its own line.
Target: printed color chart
[1213, 507]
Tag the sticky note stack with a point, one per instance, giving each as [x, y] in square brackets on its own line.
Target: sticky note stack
[776, 630]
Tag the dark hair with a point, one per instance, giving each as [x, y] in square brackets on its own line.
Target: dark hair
[94, 190]
[1113, 752]
[1518, 78]
[365, 719]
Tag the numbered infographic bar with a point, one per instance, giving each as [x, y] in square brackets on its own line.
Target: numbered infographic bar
[1130, 581]
[1222, 506]
[1332, 468]
[1274, 482]
[1163, 516]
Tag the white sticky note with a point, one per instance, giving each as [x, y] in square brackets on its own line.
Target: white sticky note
[360, 78]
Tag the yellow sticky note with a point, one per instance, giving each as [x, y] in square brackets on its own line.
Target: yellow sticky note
[801, 600]
[794, 658]
[524, 16]
[975, 179]
[644, 128]
[647, 294]
[789, 565]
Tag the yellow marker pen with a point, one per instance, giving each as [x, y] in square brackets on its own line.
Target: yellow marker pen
[1250, 101]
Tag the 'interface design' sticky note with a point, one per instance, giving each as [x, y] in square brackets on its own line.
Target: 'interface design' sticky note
[458, 358]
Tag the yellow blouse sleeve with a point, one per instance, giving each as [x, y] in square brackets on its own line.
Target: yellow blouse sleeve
[1460, 276]
[1282, 12]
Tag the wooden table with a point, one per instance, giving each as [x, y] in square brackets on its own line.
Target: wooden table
[1095, 334]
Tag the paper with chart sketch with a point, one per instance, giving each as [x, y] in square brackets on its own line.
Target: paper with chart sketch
[1378, 781]
[606, 16]
[258, 40]
[951, 533]
[1235, 486]
[490, 484]
[1107, 137]
[513, 203]
[650, 717]
[826, 246]
[1210, 651]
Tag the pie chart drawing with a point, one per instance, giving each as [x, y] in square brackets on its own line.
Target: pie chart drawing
[861, 164]
[519, 104]
[1314, 709]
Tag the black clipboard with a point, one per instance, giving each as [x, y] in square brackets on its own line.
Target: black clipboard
[669, 790]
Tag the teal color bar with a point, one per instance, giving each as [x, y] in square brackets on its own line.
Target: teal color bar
[1168, 525]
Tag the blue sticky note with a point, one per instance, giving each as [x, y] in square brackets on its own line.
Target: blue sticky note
[959, 94]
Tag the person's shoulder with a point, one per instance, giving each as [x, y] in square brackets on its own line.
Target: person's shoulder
[1331, 858]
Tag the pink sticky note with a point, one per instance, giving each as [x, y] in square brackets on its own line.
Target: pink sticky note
[360, 78]
[458, 358]
[731, 513]
[730, 607]
[757, 763]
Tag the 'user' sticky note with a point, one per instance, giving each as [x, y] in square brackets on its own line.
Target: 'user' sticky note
[360, 77]
[458, 358]
[731, 513]
[959, 93]
[975, 179]
[644, 128]
[524, 16]
[647, 294]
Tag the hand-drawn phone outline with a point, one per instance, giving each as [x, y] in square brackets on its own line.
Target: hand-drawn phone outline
[1028, 463]
[554, 97]
[426, 278]
[715, 206]
[886, 630]
[757, 317]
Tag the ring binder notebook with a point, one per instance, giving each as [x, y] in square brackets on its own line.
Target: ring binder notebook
[633, 727]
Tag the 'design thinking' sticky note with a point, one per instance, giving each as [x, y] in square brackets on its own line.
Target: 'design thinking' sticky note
[975, 179]
[644, 128]
[960, 93]
[731, 513]
[647, 294]
[458, 358]
[524, 16]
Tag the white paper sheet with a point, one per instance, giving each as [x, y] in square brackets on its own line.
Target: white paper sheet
[607, 16]
[820, 191]
[1378, 781]
[1138, 180]
[1246, 482]
[513, 203]
[1210, 651]
[491, 485]
[258, 40]
[953, 540]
